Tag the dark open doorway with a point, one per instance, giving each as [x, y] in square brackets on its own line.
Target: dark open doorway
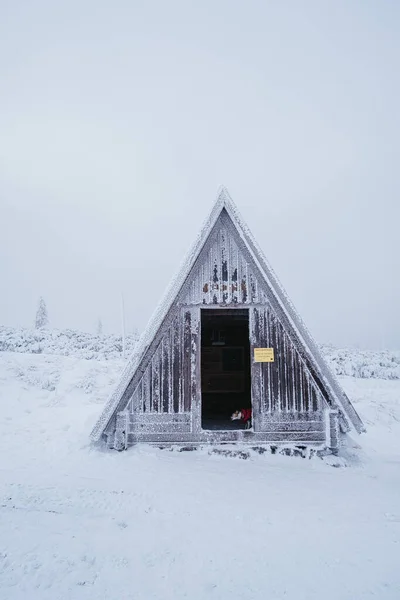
[225, 367]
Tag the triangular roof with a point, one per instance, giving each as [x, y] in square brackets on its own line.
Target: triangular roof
[334, 391]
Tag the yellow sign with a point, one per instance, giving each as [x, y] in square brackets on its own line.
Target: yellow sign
[264, 355]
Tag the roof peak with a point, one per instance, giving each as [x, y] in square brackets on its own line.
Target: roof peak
[223, 196]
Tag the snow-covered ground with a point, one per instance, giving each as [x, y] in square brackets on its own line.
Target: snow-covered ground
[81, 523]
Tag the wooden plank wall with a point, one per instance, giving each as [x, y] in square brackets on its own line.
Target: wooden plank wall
[166, 385]
[284, 386]
[222, 274]
[169, 383]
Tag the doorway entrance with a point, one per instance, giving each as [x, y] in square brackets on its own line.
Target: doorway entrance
[225, 367]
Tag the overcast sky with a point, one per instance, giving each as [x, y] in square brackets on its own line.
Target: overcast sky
[119, 120]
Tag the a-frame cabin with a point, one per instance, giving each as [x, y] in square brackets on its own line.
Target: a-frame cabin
[226, 337]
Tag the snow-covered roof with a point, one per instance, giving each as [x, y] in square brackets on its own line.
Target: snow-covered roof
[224, 201]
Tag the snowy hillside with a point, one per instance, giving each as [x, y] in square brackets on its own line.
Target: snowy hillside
[356, 363]
[79, 522]
[365, 364]
[66, 342]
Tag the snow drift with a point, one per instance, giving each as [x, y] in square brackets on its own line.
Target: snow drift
[77, 522]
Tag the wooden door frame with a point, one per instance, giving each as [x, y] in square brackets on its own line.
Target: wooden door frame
[197, 415]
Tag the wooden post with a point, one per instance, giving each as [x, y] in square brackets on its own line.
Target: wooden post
[334, 430]
[195, 360]
[255, 368]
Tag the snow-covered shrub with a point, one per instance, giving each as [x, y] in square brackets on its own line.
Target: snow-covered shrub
[343, 361]
[366, 364]
[65, 342]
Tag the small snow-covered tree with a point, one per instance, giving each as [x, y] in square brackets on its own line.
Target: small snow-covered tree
[99, 328]
[42, 317]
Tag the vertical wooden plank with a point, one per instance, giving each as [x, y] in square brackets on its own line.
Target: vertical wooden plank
[253, 288]
[273, 365]
[262, 298]
[303, 387]
[150, 369]
[161, 374]
[186, 371]
[141, 397]
[204, 283]
[306, 389]
[314, 398]
[319, 401]
[181, 362]
[261, 343]
[310, 405]
[244, 284]
[219, 259]
[215, 278]
[293, 379]
[296, 381]
[289, 389]
[171, 368]
[267, 366]
[214, 273]
[288, 380]
[210, 275]
[156, 380]
[224, 267]
[268, 369]
[274, 370]
[176, 371]
[229, 267]
[146, 389]
[282, 405]
[218, 262]
[159, 378]
[255, 367]
[285, 377]
[277, 367]
[288, 375]
[195, 355]
[279, 359]
[234, 274]
[194, 293]
[334, 429]
[165, 373]
[200, 284]
[256, 290]
[239, 277]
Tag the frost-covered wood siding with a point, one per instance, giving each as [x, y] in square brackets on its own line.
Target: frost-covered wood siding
[163, 399]
[223, 273]
[285, 385]
[167, 379]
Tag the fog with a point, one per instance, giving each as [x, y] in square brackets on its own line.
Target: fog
[120, 120]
